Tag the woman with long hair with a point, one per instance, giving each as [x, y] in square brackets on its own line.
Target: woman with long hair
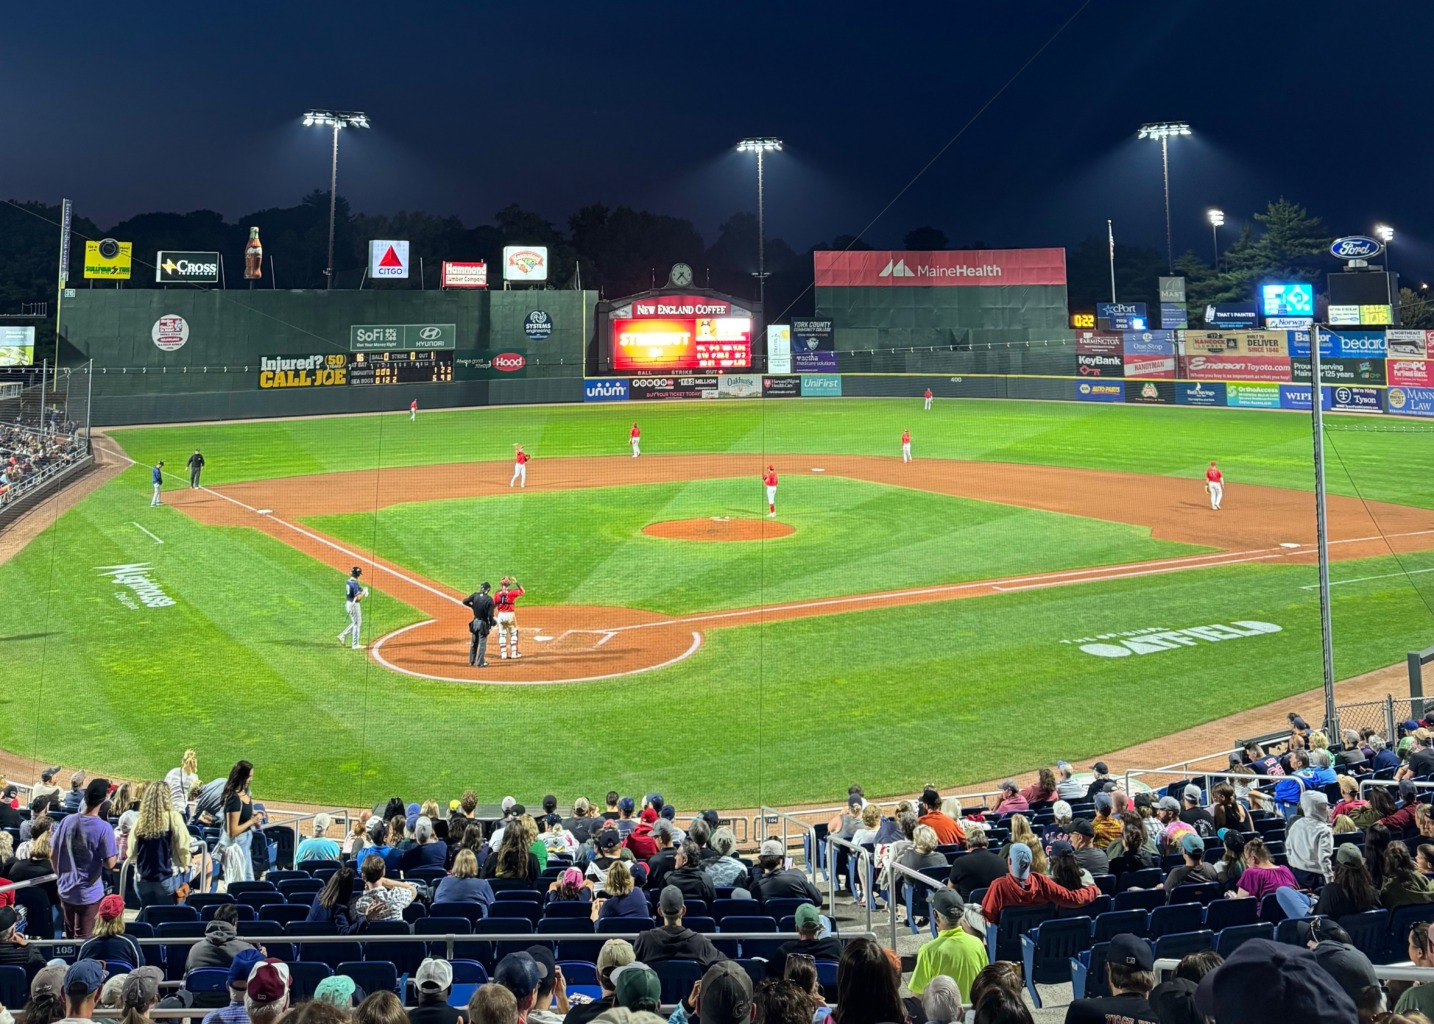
[381, 1008]
[35, 863]
[1003, 974]
[1043, 790]
[1000, 1006]
[1132, 853]
[464, 885]
[866, 991]
[1232, 863]
[801, 971]
[1227, 811]
[1064, 868]
[1020, 828]
[159, 846]
[624, 899]
[1350, 891]
[180, 780]
[239, 823]
[1380, 805]
[536, 846]
[1403, 884]
[1377, 838]
[332, 902]
[1262, 875]
[514, 858]
[570, 887]
[108, 942]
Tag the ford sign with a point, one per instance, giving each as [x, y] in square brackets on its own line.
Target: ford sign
[1355, 247]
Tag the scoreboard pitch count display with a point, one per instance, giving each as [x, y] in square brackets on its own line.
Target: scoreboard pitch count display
[666, 344]
[400, 368]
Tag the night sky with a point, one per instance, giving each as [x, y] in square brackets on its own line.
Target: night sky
[475, 104]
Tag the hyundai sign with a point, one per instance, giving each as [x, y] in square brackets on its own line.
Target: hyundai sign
[1355, 247]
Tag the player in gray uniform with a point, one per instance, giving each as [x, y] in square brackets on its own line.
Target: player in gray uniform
[353, 594]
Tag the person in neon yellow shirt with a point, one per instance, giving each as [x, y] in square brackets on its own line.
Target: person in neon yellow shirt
[958, 951]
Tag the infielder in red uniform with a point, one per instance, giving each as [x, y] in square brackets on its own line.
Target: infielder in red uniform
[906, 446]
[520, 467]
[509, 590]
[927, 396]
[633, 437]
[1215, 486]
[770, 479]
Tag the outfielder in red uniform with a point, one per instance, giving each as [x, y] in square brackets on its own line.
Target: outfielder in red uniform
[413, 410]
[634, 436]
[506, 615]
[770, 479]
[520, 467]
[927, 396]
[906, 446]
[1215, 486]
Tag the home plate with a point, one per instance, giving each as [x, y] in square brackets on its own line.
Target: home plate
[542, 639]
[1288, 544]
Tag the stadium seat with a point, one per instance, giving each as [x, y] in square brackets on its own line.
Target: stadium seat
[505, 925]
[781, 906]
[581, 976]
[243, 911]
[1197, 892]
[14, 988]
[333, 952]
[428, 876]
[405, 956]
[201, 901]
[1047, 949]
[677, 977]
[620, 925]
[297, 889]
[520, 896]
[1088, 972]
[1270, 909]
[1119, 922]
[1182, 917]
[266, 929]
[207, 979]
[470, 972]
[568, 910]
[1102, 904]
[161, 913]
[1003, 938]
[286, 913]
[471, 912]
[441, 926]
[238, 889]
[1175, 946]
[1366, 932]
[371, 975]
[1140, 899]
[304, 977]
[708, 925]
[756, 969]
[1396, 936]
[1145, 878]
[1222, 914]
[571, 949]
[1230, 939]
[177, 953]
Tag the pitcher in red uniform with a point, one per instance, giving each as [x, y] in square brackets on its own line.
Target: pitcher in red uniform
[634, 436]
[1215, 486]
[520, 467]
[906, 446]
[506, 615]
[770, 479]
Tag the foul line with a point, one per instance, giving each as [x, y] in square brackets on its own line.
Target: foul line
[146, 532]
[1362, 579]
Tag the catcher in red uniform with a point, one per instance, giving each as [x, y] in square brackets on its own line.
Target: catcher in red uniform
[509, 590]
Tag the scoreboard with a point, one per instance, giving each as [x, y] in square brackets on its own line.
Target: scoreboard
[401, 367]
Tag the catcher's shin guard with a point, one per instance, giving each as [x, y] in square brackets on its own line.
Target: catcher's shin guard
[515, 641]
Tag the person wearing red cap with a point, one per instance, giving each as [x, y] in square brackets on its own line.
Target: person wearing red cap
[1215, 486]
[110, 944]
[266, 997]
[520, 467]
[634, 437]
[770, 479]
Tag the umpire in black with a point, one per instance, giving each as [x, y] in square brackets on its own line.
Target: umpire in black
[483, 622]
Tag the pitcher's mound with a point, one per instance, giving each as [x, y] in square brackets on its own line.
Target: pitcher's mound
[718, 528]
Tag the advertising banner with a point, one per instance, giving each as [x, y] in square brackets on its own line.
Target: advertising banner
[1417, 373]
[1252, 396]
[903, 269]
[1269, 368]
[17, 346]
[1411, 401]
[672, 333]
[1173, 315]
[1244, 343]
[387, 259]
[1099, 343]
[1295, 396]
[1355, 316]
[820, 361]
[812, 347]
[1100, 366]
[463, 275]
[1232, 314]
[1299, 344]
[673, 387]
[1358, 343]
[821, 385]
[1091, 391]
[1287, 300]
[525, 262]
[1343, 399]
[324, 371]
[1121, 316]
[739, 385]
[781, 387]
[1150, 343]
[1407, 344]
[174, 267]
[1172, 289]
[779, 348]
[394, 337]
[170, 332]
[108, 260]
[1199, 393]
[1340, 371]
[1150, 392]
[614, 389]
[488, 364]
[1150, 366]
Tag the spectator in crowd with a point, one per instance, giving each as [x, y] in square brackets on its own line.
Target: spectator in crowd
[1023, 888]
[427, 851]
[774, 880]
[81, 850]
[181, 780]
[1349, 799]
[1087, 854]
[1260, 762]
[512, 811]
[1194, 815]
[780, 1001]
[139, 994]
[1194, 869]
[46, 789]
[1420, 997]
[814, 939]
[9, 804]
[1421, 757]
[570, 887]
[75, 799]
[380, 1008]
[15, 950]
[39, 810]
[221, 941]
[1378, 808]
[700, 832]
[957, 952]
[607, 842]
[47, 996]
[335, 999]
[159, 848]
[623, 898]
[32, 861]
[1059, 828]
[389, 895]
[1269, 981]
[723, 996]
[1383, 757]
[1011, 802]
[582, 821]
[237, 830]
[1352, 754]
[638, 989]
[870, 825]
[1043, 790]
[1309, 841]
[109, 943]
[519, 974]
[1227, 811]
[1174, 999]
[610, 802]
[1107, 827]
[1133, 852]
[1376, 840]
[1100, 780]
[433, 981]
[1350, 891]
[1066, 787]
[333, 903]
[1261, 875]
[515, 859]
[1167, 812]
[1403, 884]
[1063, 868]
[464, 885]
[867, 993]
[802, 973]
[978, 868]
[626, 824]
[494, 1004]
[688, 876]
[557, 840]
[1296, 745]
[551, 1004]
[1130, 976]
[890, 847]
[664, 861]
[672, 940]
[948, 831]
[317, 846]
[83, 981]
[726, 869]
[613, 954]
[844, 824]
[1404, 817]
[239, 969]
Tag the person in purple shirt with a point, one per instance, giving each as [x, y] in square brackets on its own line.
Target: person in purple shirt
[81, 848]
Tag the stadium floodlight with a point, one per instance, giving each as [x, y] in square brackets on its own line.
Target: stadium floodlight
[760, 146]
[335, 119]
[1164, 131]
[1217, 220]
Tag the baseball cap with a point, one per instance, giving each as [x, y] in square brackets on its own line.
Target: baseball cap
[1081, 828]
[613, 954]
[84, 977]
[648, 816]
[1348, 853]
[547, 963]
[972, 918]
[9, 917]
[1061, 809]
[1349, 967]
[1060, 847]
[78, 777]
[113, 991]
[671, 901]
[517, 811]
[1103, 802]
[518, 973]
[626, 805]
[508, 801]
[809, 918]
[573, 877]
[1020, 855]
[242, 964]
[1167, 803]
[49, 773]
[1192, 792]
[338, 989]
[608, 839]
[1191, 843]
[634, 982]
[948, 903]
[726, 996]
[1264, 980]
[141, 988]
[854, 800]
[1100, 768]
[639, 873]
[772, 848]
[1128, 950]
[48, 980]
[268, 982]
[434, 975]
[111, 907]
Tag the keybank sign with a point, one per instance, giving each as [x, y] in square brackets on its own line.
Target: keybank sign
[615, 390]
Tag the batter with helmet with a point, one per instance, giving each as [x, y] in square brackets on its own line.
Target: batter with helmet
[353, 594]
[509, 590]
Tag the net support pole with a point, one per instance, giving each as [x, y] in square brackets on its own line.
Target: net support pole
[1326, 629]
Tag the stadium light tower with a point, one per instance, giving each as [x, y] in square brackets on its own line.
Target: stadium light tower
[1163, 130]
[761, 147]
[1385, 234]
[1217, 220]
[334, 119]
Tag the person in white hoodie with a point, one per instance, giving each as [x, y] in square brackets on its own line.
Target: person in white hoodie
[1309, 841]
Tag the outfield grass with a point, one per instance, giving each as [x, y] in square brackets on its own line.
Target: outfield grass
[586, 546]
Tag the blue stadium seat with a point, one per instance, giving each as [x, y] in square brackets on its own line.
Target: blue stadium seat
[238, 889]
[571, 949]
[161, 913]
[14, 989]
[1366, 932]
[1197, 892]
[1047, 949]
[722, 907]
[177, 953]
[500, 925]
[581, 976]
[1140, 899]
[1102, 904]
[1176, 946]
[304, 977]
[208, 979]
[371, 975]
[1120, 922]
[1222, 914]
[472, 912]
[298, 890]
[1396, 936]
[677, 977]
[441, 926]
[201, 901]
[244, 912]
[1181, 917]
[1230, 939]
[1145, 878]
[705, 925]
[1003, 940]
[322, 952]
[1088, 972]
[568, 910]
[428, 876]
[286, 913]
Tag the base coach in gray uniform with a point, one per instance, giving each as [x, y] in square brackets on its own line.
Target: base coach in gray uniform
[483, 621]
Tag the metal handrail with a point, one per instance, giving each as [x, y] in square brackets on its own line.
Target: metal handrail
[1392, 784]
[764, 814]
[897, 871]
[12, 886]
[862, 858]
[1384, 972]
